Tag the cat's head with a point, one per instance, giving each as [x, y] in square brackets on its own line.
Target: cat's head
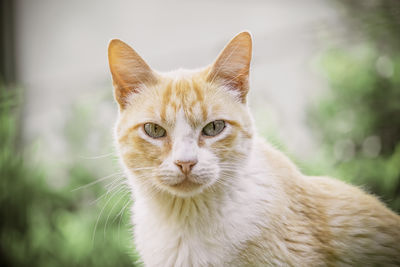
[186, 131]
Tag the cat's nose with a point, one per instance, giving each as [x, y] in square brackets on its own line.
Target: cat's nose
[185, 166]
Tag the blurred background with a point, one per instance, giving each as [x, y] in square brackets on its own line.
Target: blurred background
[325, 89]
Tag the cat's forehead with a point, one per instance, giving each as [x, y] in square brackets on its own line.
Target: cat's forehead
[186, 95]
[191, 95]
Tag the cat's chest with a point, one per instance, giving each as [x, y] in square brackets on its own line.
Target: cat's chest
[179, 248]
[192, 242]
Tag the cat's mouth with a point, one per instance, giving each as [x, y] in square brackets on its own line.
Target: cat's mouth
[185, 185]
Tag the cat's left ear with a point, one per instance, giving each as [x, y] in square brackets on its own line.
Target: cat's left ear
[233, 64]
[129, 71]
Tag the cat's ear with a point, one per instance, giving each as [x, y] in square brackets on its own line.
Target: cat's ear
[233, 64]
[129, 71]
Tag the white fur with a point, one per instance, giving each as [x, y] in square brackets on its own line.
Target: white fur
[185, 146]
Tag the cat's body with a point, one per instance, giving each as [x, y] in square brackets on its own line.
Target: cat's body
[209, 192]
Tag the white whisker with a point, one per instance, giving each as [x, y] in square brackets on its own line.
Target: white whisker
[101, 212]
[111, 210]
[96, 181]
[98, 157]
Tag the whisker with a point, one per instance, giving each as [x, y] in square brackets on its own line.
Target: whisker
[98, 157]
[142, 168]
[101, 212]
[115, 184]
[110, 186]
[111, 210]
[96, 181]
[120, 213]
[120, 218]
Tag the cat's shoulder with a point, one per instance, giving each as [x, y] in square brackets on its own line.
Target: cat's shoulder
[343, 198]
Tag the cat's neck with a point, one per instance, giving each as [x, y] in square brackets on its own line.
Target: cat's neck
[183, 210]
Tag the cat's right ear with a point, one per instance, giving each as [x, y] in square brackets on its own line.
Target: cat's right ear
[129, 71]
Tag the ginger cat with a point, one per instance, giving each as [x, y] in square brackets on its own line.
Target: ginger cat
[208, 191]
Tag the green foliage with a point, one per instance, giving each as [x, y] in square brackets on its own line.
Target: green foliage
[359, 122]
[44, 225]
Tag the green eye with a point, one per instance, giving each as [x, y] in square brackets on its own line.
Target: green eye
[154, 130]
[213, 128]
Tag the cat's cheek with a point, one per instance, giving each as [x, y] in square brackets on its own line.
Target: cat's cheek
[210, 141]
[224, 143]
[137, 151]
[207, 171]
[234, 148]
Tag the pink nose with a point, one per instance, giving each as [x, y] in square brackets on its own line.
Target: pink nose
[185, 166]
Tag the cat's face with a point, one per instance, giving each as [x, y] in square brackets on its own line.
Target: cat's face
[183, 132]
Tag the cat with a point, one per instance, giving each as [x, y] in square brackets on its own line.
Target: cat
[208, 191]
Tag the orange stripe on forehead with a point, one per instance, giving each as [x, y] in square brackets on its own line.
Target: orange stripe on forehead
[196, 89]
[165, 101]
[180, 87]
[193, 94]
[200, 98]
[192, 100]
[186, 94]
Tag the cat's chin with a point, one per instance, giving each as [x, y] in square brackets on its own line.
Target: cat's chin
[186, 188]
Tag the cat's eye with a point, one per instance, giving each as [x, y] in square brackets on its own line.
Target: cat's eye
[213, 128]
[154, 130]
